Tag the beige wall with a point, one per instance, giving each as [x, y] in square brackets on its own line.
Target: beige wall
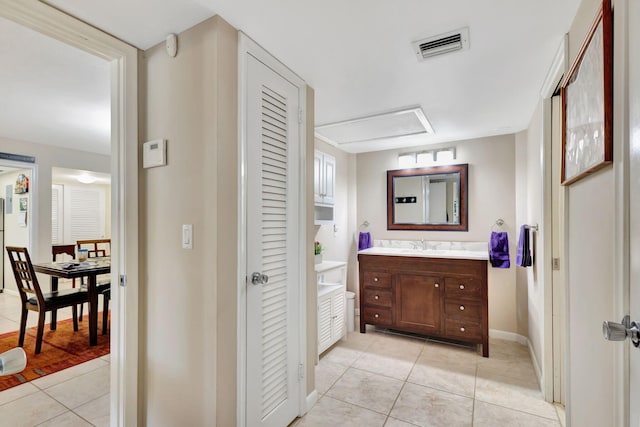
[491, 196]
[591, 248]
[529, 210]
[189, 296]
[342, 244]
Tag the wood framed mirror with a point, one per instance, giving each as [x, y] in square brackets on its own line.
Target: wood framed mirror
[432, 198]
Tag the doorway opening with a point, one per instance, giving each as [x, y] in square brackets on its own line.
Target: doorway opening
[122, 122]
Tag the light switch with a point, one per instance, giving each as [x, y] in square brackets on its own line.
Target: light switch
[187, 236]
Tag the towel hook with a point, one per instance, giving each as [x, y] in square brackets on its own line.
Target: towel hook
[365, 224]
[532, 227]
[497, 225]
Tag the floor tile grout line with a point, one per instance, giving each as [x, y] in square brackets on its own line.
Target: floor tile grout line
[73, 409]
[71, 378]
[473, 407]
[356, 405]
[515, 410]
[68, 411]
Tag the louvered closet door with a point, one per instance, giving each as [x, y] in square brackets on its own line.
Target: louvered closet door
[272, 234]
[324, 323]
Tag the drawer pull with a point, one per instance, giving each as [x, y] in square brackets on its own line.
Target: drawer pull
[461, 329]
[437, 285]
[462, 308]
[461, 286]
[376, 315]
[375, 279]
[376, 297]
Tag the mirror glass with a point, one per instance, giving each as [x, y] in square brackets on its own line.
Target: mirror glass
[433, 198]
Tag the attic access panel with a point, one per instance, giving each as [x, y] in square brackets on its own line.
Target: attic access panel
[396, 124]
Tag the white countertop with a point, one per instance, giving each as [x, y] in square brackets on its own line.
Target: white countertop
[328, 265]
[428, 253]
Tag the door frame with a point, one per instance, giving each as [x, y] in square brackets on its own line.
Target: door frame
[550, 332]
[34, 208]
[622, 188]
[246, 46]
[124, 197]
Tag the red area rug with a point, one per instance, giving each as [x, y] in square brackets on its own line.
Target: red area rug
[61, 349]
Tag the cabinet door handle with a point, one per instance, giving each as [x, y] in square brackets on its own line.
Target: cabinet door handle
[461, 286]
[375, 279]
[437, 285]
[462, 308]
[376, 297]
[461, 329]
[376, 315]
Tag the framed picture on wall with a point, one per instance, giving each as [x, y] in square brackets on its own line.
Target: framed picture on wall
[587, 103]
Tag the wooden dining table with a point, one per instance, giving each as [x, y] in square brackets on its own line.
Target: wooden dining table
[91, 269]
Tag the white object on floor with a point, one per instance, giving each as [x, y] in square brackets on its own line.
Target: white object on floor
[12, 361]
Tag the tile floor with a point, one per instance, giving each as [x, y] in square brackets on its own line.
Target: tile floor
[75, 397]
[368, 380]
[384, 379]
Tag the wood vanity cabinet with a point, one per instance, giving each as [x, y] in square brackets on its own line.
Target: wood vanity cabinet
[438, 297]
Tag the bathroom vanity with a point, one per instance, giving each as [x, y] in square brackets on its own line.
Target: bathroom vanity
[437, 293]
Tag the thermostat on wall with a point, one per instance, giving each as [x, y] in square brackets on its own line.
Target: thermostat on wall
[154, 153]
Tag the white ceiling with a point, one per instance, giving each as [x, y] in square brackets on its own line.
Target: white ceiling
[356, 54]
[52, 93]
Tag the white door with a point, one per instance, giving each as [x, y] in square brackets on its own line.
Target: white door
[338, 321]
[558, 221]
[273, 179]
[329, 179]
[634, 204]
[324, 323]
[318, 177]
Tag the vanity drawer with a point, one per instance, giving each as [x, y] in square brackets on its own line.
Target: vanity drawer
[463, 329]
[462, 310]
[377, 297]
[378, 316]
[462, 287]
[377, 279]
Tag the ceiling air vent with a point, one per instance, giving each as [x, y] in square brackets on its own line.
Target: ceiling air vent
[442, 43]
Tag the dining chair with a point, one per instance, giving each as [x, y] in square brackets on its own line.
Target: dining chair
[99, 248]
[69, 249]
[33, 299]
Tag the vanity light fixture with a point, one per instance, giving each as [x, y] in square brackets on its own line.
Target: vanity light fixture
[426, 158]
[407, 160]
[445, 155]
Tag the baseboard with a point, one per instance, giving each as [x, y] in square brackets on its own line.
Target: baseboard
[11, 292]
[312, 398]
[536, 366]
[520, 339]
[508, 336]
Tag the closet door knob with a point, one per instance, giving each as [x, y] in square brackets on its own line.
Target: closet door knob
[437, 285]
[375, 279]
[461, 329]
[462, 308]
[461, 286]
[376, 297]
[376, 315]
